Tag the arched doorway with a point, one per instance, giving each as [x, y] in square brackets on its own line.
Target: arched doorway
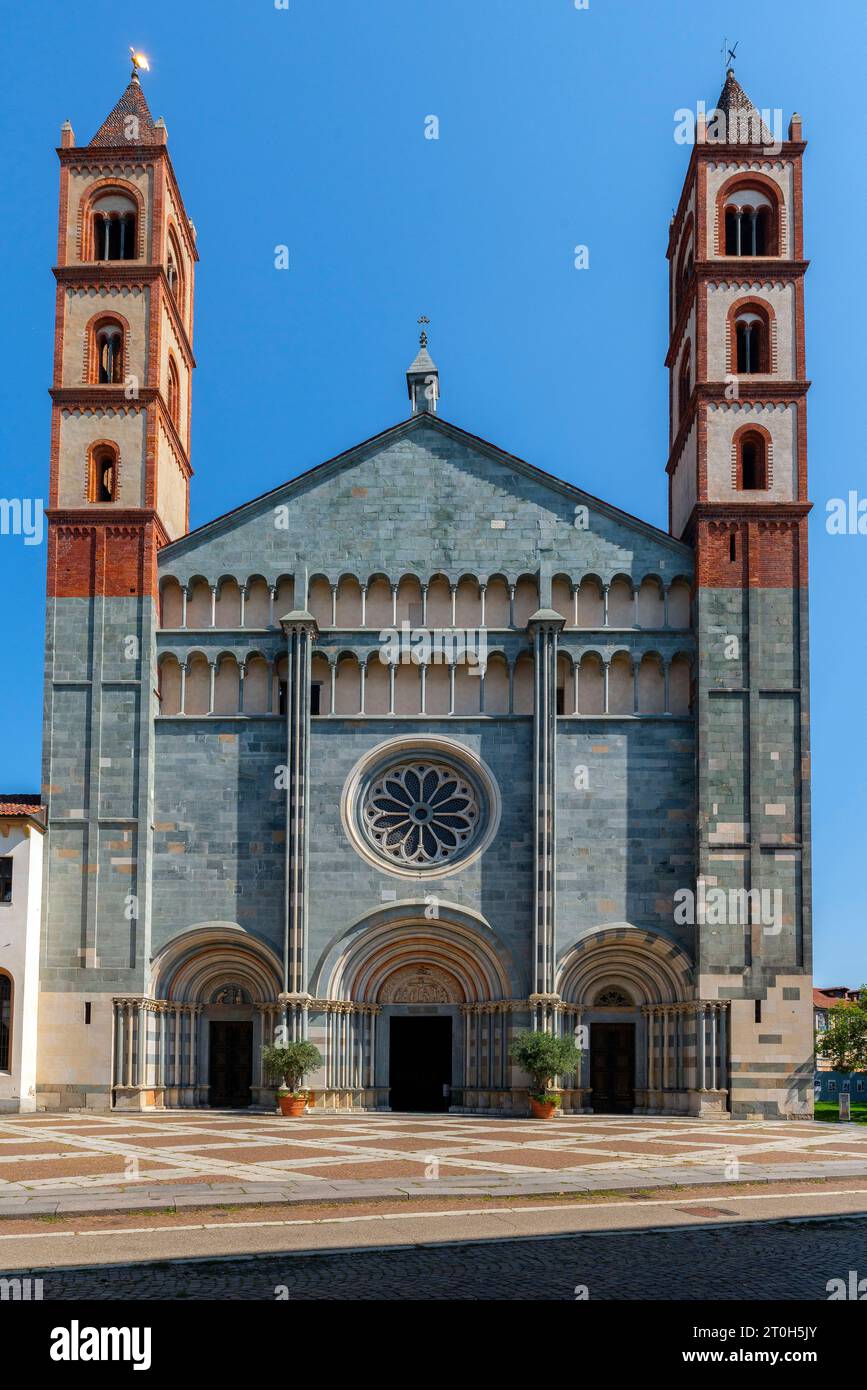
[429, 996]
[215, 1004]
[628, 991]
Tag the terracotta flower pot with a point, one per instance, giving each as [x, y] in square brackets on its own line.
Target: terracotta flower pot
[292, 1105]
[542, 1110]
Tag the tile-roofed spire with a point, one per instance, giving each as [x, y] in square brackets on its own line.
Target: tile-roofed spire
[743, 121]
[118, 129]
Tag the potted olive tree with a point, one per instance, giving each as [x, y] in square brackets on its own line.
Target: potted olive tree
[544, 1056]
[289, 1063]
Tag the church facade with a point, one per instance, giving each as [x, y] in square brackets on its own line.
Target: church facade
[426, 746]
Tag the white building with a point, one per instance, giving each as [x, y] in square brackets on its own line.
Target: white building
[22, 827]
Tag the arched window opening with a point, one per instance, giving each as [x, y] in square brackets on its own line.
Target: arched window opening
[683, 389]
[751, 343]
[174, 395]
[5, 1023]
[174, 271]
[103, 474]
[748, 229]
[752, 469]
[109, 355]
[114, 233]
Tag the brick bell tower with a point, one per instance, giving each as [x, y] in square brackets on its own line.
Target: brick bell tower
[119, 490]
[738, 494]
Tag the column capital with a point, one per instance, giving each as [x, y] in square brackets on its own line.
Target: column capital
[299, 620]
[546, 620]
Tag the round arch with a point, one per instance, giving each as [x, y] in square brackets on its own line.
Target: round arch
[649, 967]
[457, 944]
[207, 955]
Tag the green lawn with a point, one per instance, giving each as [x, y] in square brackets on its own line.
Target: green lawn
[829, 1110]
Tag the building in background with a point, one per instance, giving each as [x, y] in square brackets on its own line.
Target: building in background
[22, 831]
[427, 745]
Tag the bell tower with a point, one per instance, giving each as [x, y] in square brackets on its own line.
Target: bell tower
[120, 439]
[119, 490]
[737, 473]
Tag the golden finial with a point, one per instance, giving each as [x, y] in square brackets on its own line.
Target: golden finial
[139, 62]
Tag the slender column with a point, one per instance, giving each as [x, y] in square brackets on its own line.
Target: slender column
[184, 606]
[242, 590]
[424, 589]
[362, 677]
[141, 1050]
[242, 671]
[301, 631]
[666, 667]
[364, 605]
[271, 671]
[605, 676]
[194, 1049]
[665, 621]
[665, 1051]
[511, 605]
[333, 668]
[394, 605]
[422, 683]
[212, 681]
[130, 1035]
[213, 605]
[452, 669]
[701, 1048]
[333, 605]
[182, 697]
[636, 667]
[605, 589]
[635, 594]
[482, 591]
[545, 632]
[118, 1043]
[454, 593]
[724, 1047]
[511, 687]
[714, 1031]
[272, 599]
[392, 676]
[176, 1059]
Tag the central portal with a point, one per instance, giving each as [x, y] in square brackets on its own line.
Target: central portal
[230, 1070]
[420, 1063]
[612, 1068]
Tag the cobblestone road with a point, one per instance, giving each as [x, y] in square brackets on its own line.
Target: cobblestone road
[780, 1260]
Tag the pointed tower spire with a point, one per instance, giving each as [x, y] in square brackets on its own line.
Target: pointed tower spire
[130, 123]
[743, 121]
[423, 378]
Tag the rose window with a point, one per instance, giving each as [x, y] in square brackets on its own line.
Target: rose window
[420, 813]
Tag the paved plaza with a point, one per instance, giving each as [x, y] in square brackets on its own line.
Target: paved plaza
[80, 1161]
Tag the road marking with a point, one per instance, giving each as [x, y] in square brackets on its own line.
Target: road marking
[678, 1203]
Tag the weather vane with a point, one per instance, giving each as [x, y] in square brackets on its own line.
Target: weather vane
[729, 54]
[139, 61]
[422, 337]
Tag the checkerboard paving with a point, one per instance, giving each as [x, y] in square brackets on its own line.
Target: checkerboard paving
[118, 1157]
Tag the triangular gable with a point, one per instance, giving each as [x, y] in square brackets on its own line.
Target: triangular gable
[284, 492]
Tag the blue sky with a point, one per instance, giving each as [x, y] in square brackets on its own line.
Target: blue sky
[305, 126]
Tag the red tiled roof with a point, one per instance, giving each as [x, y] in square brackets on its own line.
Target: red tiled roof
[116, 130]
[21, 804]
[827, 1001]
